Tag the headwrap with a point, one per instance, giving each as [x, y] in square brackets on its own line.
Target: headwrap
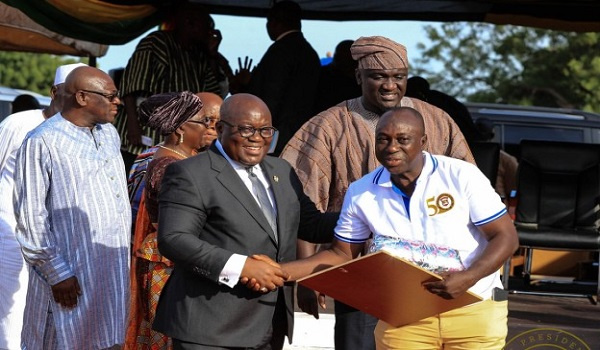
[166, 112]
[378, 52]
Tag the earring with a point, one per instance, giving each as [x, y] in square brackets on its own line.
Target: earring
[180, 138]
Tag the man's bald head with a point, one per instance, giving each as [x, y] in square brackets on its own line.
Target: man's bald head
[88, 78]
[402, 115]
[245, 119]
[236, 106]
[92, 97]
[211, 103]
[399, 142]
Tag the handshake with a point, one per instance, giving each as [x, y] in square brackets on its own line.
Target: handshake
[262, 274]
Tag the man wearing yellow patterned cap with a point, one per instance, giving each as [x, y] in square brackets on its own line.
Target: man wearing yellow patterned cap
[337, 147]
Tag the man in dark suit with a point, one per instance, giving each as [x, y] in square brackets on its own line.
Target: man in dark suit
[287, 76]
[211, 224]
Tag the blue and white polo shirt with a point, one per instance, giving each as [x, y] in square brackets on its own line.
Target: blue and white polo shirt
[436, 227]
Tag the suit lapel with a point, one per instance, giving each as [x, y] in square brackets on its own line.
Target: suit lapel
[233, 184]
[278, 194]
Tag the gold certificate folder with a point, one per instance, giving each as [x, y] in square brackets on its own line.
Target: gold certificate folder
[386, 287]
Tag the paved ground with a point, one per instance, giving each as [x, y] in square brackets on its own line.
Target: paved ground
[578, 317]
[312, 334]
[539, 322]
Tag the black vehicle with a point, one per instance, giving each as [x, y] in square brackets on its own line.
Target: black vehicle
[515, 123]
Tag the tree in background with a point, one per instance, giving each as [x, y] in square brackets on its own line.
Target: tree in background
[30, 71]
[510, 64]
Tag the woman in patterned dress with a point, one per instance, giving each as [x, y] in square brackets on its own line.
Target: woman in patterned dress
[187, 122]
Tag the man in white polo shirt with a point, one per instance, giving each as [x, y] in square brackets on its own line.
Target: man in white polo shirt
[418, 200]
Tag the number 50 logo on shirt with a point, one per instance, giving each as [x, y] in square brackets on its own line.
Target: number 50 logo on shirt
[440, 204]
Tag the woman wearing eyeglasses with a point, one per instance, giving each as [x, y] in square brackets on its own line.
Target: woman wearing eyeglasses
[187, 122]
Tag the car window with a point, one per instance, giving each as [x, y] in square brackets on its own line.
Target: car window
[516, 133]
[512, 124]
[5, 108]
[7, 95]
[510, 135]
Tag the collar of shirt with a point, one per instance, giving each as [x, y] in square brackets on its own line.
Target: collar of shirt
[382, 177]
[240, 169]
[372, 118]
[286, 33]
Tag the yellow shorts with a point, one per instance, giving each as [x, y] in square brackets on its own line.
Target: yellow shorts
[481, 326]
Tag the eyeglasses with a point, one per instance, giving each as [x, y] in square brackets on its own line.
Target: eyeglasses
[248, 131]
[110, 97]
[207, 121]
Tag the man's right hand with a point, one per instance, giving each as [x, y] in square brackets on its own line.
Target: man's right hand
[67, 292]
[245, 68]
[309, 300]
[263, 274]
[239, 82]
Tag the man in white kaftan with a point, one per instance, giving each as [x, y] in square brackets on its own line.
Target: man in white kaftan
[73, 222]
[13, 288]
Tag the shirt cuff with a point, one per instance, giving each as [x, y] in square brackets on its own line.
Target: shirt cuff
[55, 270]
[232, 270]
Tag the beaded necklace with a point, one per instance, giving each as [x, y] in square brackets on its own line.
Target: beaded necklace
[174, 151]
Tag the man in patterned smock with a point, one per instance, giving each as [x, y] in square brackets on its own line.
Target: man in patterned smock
[73, 221]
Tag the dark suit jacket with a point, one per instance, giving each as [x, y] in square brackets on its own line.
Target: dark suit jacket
[286, 79]
[206, 214]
